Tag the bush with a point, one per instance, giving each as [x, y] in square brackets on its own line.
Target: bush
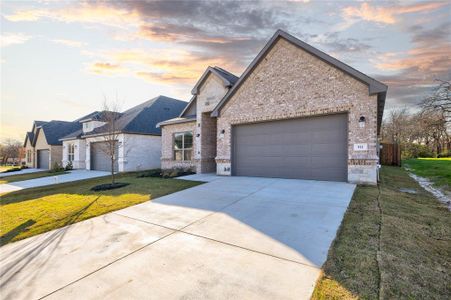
[69, 166]
[23, 167]
[176, 172]
[416, 150]
[150, 173]
[445, 154]
[56, 168]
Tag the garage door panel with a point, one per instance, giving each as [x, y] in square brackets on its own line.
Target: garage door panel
[327, 149]
[100, 160]
[307, 148]
[275, 150]
[43, 159]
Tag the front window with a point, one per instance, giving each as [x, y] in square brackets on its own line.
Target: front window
[28, 156]
[70, 153]
[183, 145]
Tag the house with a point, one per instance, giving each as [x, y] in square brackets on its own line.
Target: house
[42, 145]
[295, 112]
[138, 139]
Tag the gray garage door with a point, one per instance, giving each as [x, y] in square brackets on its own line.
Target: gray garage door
[100, 160]
[43, 159]
[306, 148]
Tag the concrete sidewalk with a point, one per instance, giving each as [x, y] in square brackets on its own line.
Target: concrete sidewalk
[233, 237]
[73, 175]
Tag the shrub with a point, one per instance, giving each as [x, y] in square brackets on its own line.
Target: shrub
[151, 173]
[23, 167]
[69, 166]
[416, 150]
[445, 154]
[56, 168]
[176, 172]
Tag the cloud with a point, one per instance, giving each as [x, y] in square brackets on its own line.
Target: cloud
[416, 70]
[106, 68]
[384, 15]
[69, 43]
[83, 13]
[8, 39]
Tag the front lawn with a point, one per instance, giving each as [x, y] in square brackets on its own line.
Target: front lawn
[32, 211]
[391, 245]
[21, 177]
[438, 170]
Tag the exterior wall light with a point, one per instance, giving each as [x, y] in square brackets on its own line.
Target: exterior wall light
[221, 134]
[362, 121]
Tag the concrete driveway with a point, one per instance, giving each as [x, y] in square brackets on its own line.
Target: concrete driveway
[73, 175]
[233, 237]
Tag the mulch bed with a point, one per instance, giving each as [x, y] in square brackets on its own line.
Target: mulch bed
[108, 186]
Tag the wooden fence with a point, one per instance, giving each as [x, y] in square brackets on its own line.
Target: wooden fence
[390, 154]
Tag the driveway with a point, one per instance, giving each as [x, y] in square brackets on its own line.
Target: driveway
[73, 175]
[233, 237]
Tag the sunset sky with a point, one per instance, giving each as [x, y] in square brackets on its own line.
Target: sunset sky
[60, 59]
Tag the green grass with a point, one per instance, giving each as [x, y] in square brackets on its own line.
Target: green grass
[21, 177]
[415, 245]
[438, 170]
[32, 211]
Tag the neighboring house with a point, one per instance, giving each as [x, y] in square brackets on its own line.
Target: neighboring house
[139, 141]
[42, 145]
[295, 112]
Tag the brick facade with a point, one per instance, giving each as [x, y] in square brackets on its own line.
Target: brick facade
[204, 129]
[291, 83]
[167, 146]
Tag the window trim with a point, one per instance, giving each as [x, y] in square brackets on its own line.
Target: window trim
[71, 154]
[182, 149]
[29, 156]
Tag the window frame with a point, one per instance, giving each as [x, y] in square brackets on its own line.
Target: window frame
[28, 156]
[183, 149]
[71, 154]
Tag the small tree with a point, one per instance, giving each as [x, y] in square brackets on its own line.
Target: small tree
[111, 145]
[10, 149]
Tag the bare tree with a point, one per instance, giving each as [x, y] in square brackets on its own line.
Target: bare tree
[440, 100]
[10, 149]
[110, 146]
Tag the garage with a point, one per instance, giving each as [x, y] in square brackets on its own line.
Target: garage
[43, 159]
[305, 148]
[100, 160]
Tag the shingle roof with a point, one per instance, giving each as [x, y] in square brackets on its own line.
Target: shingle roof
[30, 137]
[177, 120]
[143, 118]
[227, 75]
[374, 86]
[55, 130]
[73, 135]
[228, 78]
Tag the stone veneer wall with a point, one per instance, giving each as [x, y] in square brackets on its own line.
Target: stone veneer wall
[167, 131]
[291, 83]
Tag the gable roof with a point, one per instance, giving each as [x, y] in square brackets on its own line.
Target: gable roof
[143, 118]
[374, 86]
[228, 78]
[29, 137]
[55, 130]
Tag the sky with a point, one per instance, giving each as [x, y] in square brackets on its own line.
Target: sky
[59, 60]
